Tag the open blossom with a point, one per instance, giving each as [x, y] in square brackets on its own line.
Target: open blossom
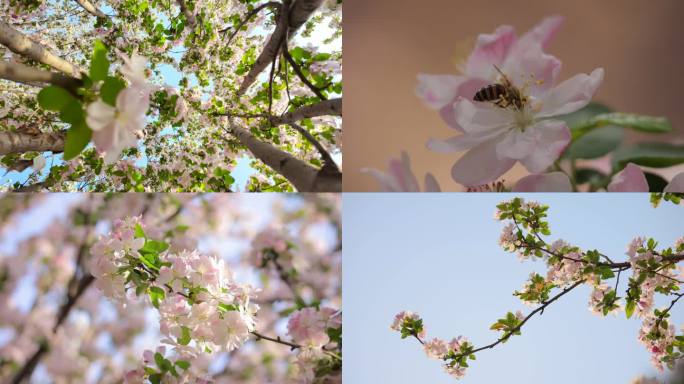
[268, 240]
[496, 138]
[308, 326]
[596, 304]
[402, 318]
[115, 128]
[436, 348]
[400, 177]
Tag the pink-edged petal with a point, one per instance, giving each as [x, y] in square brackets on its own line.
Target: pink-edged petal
[552, 136]
[463, 142]
[630, 179]
[676, 184]
[105, 138]
[572, 94]
[467, 90]
[401, 171]
[517, 145]
[99, 115]
[387, 182]
[438, 91]
[480, 165]
[544, 182]
[133, 101]
[532, 70]
[490, 50]
[431, 184]
[481, 117]
[543, 32]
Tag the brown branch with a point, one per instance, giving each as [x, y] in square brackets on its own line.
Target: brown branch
[300, 74]
[248, 17]
[90, 8]
[16, 142]
[278, 340]
[325, 156]
[332, 107]
[302, 175]
[18, 43]
[189, 16]
[24, 74]
[288, 23]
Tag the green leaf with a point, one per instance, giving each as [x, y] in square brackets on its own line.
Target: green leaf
[156, 295]
[591, 176]
[159, 360]
[596, 143]
[110, 89]
[154, 247]
[656, 155]
[655, 182]
[156, 378]
[629, 308]
[139, 232]
[99, 64]
[637, 122]
[576, 119]
[228, 307]
[72, 112]
[185, 337]
[78, 137]
[54, 98]
[183, 364]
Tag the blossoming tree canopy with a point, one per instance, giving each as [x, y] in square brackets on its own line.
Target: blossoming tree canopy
[173, 95]
[170, 288]
[509, 105]
[652, 271]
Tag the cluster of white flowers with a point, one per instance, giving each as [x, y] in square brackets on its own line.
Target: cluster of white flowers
[596, 303]
[638, 252]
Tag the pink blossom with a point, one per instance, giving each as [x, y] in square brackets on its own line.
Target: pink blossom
[545, 182]
[436, 348]
[309, 326]
[400, 178]
[496, 138]
[115, 128]
[633, 179]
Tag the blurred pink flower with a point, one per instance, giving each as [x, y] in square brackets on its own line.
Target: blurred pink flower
[544, 182]
[115, 129]
[400, 178]
[633, 179]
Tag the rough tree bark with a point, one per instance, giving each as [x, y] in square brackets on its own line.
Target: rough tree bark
[90, 8]
[18, 43]
[25, 74]
[301, 174]
[16, 142]
[288, 23]
[331, 107]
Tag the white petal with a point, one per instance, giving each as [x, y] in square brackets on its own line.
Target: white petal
[480, 165]
[543, 32]
[438, 90]
[553, 137]
[572, 94]
[481, 117]
[99, 115]
[463, 142]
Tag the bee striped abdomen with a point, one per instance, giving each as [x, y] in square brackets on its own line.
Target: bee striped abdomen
[491, 92]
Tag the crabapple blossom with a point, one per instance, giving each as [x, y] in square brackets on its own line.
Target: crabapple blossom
[654, 271]
[633, 179]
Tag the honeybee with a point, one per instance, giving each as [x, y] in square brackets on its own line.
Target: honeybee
[503, 94]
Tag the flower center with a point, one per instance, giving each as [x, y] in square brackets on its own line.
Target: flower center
[523, 118]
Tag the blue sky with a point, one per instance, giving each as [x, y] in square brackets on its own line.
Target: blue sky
[438, 255]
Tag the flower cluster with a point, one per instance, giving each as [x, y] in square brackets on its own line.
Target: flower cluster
[454, 353]
[202, 308]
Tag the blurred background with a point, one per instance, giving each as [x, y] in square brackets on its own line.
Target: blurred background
[388, 42]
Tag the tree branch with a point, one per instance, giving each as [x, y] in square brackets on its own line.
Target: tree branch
[90, 8]
[278, 340]
[189, 16]
[302, 175]
[300, 74]
[24, 74]
[18, 43]
[248, 17]
[325, 156]
[16, 142]
[332, 107]
[290, 19]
